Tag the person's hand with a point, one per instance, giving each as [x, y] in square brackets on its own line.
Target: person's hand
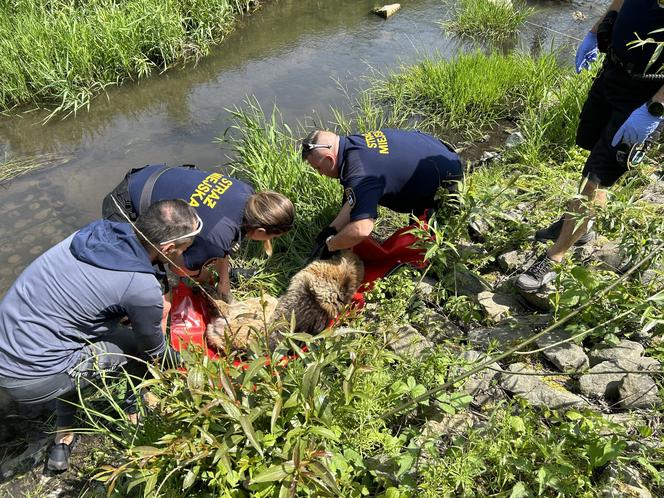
[319, 244]
[587, 52]
[637, 127]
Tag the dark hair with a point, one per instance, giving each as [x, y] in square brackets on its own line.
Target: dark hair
[166, 220]
[271, 211]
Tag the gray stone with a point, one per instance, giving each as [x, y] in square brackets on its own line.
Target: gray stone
[622, 481]
[508, 332]
[514, 140]
[654, 193]
[638, 391]
[512, 260]
[624, 349]
[609, 256]
[426, 286]
[540, 299]
[409, 342]
[498, 306]
[479, 385]
[567, 356]
[446, 424]
[653, 277]
[489, 156]
[469, 284]
[602, 380]
[538, 392]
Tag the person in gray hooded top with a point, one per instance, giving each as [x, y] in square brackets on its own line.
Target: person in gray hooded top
[60, 320]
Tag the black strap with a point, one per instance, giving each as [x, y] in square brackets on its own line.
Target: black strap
[146, 193]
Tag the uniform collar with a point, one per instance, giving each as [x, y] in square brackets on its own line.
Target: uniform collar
[341, 157]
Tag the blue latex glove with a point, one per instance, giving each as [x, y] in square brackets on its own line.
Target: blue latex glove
[637, 127]
[587, 52]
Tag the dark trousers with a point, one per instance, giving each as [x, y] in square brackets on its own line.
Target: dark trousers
[99, 358]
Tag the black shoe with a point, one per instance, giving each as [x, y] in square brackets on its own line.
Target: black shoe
[58, 458]
[246, 273]
[553, 231]
[538, 275]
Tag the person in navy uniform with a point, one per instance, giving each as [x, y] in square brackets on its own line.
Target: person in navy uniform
[229, 208]
[401, 170]
[623, 110]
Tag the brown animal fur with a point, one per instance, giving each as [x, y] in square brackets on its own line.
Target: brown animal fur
[316, 294]
[238, 322]
[320, 291]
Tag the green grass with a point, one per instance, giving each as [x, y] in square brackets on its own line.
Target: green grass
[469, 92]
[60, 53]
[493, 20]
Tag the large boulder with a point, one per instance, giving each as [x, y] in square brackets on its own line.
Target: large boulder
[624, 349]
[638, 391]
[508, 332]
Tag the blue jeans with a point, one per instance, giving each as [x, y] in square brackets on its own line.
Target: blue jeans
[108, 355]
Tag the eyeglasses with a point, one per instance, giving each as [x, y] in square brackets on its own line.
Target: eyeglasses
[307, 148]
[197, 230]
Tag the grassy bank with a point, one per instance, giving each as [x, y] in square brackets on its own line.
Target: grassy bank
[315, 427]
[60, 53]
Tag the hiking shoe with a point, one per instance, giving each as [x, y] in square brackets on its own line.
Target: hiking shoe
[553, 231]
[58, 458]
[538, 275]
[234, 274]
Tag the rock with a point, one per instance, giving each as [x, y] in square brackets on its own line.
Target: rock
[426, 286]
[536, 391]
[567, 356]
[653, 277]
[489, 156]
[578, 16]
[478, 385]
[387, 10]
[467, 283]
[446, 424]
[609, 256]
[621, 481]
[409, 342]
[540, 299]
[498, 306]
[624, 349]
[638, 391]
[437, 328]
[514, 140]
[512, 260]
[654, 193]
[508, 332]
[599, 384]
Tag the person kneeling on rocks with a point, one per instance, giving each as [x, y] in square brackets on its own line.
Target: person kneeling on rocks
[399, 169]
[60, 322]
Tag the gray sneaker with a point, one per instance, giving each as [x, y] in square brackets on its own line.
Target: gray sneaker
[553, 231]
[538, 275]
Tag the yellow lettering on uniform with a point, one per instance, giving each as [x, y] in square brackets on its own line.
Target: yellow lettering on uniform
[193, 203]
[209, 202]
[383, 149]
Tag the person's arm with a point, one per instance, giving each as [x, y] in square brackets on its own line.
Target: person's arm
[222, 267]
[143, 303]
[343, 218]
[352, 234]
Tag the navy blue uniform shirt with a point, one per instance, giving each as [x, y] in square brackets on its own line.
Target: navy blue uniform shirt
[642, 17]
[218, 199]
[398, 169]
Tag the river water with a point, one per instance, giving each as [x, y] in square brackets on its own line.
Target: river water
[302, 55]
